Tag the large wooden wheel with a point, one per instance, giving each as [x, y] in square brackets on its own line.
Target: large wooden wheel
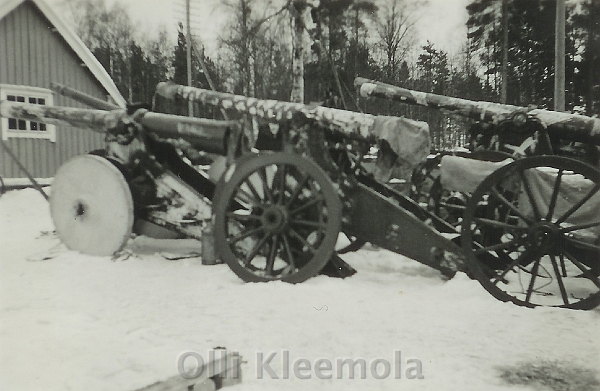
[277, 217]
[531, 231]
[91, 206]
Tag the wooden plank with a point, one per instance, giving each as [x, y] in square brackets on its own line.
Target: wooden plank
[26, 43]
[43, 159]
[45, 55]
[4, 52]
[63, 147]
[222, 372]
[30, 157]
[65, 75]
[38, 51]
[38, 165]
[13, 169]
[5, 164]
[51, 157]
[11, 41]
[22, 58]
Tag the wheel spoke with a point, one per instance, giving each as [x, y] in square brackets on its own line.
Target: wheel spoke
[299, 186]
[304, 242]
[579, 204]
[250, 185]
[513, 208]
[554, 196]
[245, 234]
[563, 267]
[534, 206]
[561, 285]
[247, 197]
[281, 171]
[583, 269]
[242, 218]
[586, 245]
[255, 250]
[514, 263]
[272, 254]
[578, 227]
[265, 184]
[499, 224]
[499, 246]
[288, 251]
[534, 272]
[310, 203]
[314, 224]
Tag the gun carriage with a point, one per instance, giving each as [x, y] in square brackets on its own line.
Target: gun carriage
[450, 184]
[526, 235]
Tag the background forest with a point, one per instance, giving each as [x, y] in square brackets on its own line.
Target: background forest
[369, 38]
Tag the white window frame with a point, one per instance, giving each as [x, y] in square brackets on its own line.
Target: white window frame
[27, 92]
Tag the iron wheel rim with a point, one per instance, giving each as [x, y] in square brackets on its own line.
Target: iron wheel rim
[277, 218]
[538, 245]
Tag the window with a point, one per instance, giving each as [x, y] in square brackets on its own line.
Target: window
[12, 127]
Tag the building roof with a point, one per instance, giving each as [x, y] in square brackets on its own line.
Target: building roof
[74, 42]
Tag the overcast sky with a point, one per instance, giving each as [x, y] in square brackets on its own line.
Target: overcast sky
[442, 21]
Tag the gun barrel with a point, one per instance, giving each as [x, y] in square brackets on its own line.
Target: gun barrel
[97, 120]
[203, 134]
[409, 139]
[82, 97]
[482, 111]
[268, 109]
[566, 126]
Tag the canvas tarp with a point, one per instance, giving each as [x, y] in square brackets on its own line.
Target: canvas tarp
[407, 139]
[464, 175]
[573, 188]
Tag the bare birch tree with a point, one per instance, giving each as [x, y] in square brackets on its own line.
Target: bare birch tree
[395, 27]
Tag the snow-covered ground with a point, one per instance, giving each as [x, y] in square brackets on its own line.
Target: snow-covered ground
[75, 322]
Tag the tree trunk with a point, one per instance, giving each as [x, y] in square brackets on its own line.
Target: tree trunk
[297, 94]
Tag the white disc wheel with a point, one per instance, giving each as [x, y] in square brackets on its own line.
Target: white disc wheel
[91, 206]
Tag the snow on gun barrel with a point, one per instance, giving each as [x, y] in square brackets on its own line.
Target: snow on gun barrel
[408, 139]
[566, 126]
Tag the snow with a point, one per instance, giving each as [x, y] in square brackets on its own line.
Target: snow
[72, 322]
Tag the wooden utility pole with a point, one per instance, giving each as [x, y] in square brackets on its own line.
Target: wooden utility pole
[188, 45]
[504, 51]
[559, 57]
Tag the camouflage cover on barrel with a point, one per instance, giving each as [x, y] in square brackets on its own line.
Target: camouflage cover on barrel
[567, 126]
[408, 138]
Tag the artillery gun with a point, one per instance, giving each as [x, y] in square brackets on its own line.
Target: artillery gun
[461, 184]
[505, 127]
[278, 214]
[500, 132]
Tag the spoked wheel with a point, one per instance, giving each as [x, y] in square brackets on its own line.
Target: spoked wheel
[531, 230]
[277, 218]
[91, 206]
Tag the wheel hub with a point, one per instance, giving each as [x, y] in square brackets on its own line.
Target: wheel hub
[544, 236]
[274, 218]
